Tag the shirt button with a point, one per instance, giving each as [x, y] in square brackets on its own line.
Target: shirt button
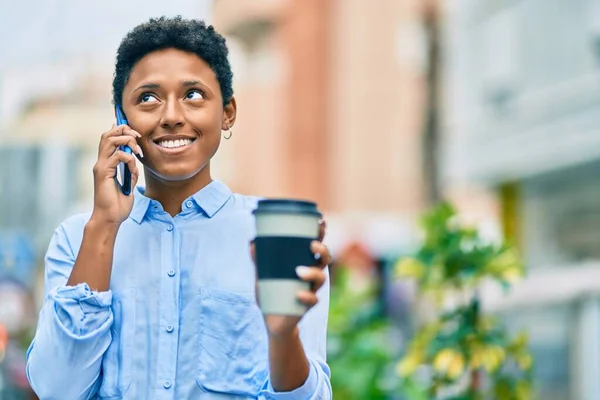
[171, 273]
[170, 328]
[167, 384]
[189, 204]
[170, 227]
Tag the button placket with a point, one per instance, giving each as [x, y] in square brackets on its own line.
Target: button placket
[167, 359]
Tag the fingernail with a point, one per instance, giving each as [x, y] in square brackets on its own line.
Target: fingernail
[301, 270]
[140, 150]
[317, 256]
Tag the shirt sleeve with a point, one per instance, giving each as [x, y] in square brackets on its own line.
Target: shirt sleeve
[313, 334]
[73, 332]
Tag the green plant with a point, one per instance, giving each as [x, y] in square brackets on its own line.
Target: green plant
[462, 353]
[358, 350]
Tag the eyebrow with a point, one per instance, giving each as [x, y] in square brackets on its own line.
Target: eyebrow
[191, 83]
[152, 86]
[148, 86]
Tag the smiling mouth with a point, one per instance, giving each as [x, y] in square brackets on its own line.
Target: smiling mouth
[175, 144]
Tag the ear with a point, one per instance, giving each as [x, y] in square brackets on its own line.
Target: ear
[229, 114]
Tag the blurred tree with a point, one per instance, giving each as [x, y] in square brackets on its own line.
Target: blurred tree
[462, 353]
[358, 346]
[431, 118]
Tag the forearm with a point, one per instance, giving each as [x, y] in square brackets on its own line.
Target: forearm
[94, 260]
[298, 362]
[289, 367]
[295, 376]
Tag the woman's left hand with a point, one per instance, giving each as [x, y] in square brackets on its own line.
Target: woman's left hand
[284, 325]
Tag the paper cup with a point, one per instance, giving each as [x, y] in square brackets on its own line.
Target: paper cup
[285, 229]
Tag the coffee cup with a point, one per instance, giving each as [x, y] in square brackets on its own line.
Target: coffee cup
[285, 229]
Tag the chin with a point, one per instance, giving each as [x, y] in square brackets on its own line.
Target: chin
[176, 174]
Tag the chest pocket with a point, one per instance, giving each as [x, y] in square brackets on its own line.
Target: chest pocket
[233, 346]
[116, 363]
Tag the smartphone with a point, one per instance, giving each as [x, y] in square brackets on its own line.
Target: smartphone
[124, 172]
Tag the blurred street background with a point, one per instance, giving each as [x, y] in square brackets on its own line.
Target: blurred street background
[377, 110]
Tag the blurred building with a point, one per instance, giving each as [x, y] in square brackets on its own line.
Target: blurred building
[47, 151]
[523, 123]
[55, 102]
[331, 97]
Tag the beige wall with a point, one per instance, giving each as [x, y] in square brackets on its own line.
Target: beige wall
[376, 108]
[336, 113]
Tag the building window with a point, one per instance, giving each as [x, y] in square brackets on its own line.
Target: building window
[561, 217]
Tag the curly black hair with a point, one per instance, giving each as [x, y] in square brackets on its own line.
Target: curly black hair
[189, 35]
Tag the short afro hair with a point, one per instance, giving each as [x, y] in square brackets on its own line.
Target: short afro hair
[189, 35]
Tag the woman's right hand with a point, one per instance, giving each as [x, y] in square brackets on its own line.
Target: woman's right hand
[110, 204]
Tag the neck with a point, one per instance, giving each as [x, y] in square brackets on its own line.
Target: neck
[171, 194]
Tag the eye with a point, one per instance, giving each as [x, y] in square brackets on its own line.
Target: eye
[147, 98]
[194, 95]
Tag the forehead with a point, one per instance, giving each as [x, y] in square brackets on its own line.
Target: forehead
[172, 66]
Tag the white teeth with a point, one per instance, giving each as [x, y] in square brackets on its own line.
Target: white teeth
[170, 144]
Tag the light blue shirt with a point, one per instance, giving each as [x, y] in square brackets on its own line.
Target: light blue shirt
[180, 320]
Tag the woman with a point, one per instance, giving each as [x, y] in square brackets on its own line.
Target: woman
[153, 295]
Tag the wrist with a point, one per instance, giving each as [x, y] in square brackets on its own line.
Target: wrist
[97, 223]
[285, 336]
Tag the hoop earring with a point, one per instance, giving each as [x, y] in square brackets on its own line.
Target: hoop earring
[230, 134]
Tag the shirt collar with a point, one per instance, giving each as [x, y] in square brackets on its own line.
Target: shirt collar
[140, 204]
[210, 199]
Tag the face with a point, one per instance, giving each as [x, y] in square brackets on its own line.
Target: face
[173, 99]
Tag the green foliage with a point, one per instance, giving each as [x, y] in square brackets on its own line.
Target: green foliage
[462, 346]
[358, 346]
[456, 257]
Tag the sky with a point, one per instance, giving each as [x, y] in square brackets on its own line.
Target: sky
[42, 30]
[44, 42]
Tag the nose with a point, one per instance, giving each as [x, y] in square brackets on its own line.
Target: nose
[172, 115]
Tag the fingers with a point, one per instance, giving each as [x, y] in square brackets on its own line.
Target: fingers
[108, 168]
[314, 275]
[322, 229]
[135, 174]
[121, 156]
[119, 131]
[106, 147]
[253, 251]
[114, 142]
[309, 299]
[321, 253]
